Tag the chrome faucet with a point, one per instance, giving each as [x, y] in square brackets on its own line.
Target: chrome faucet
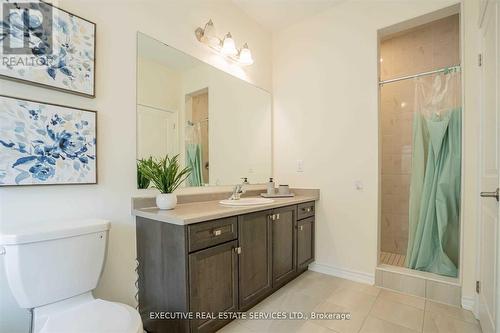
[238, 190]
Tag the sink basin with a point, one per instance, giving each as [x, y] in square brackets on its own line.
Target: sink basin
[246, 202]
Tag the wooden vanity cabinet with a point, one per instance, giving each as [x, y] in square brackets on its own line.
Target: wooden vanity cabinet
[218, 266]
[213, 284]
[284, 243]
[255, 261]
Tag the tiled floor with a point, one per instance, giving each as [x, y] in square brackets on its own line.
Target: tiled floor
[372, 310]
[393, 259]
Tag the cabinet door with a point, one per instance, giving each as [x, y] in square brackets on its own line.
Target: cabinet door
[305, 243]
[213, 284]
[254, 232]
[283, 234]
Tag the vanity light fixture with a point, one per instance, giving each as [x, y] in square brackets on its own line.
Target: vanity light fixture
[228, 47]
[225, 46]
[209, 35]
[245, 55]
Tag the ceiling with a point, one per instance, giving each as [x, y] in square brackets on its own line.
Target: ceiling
[275, 15]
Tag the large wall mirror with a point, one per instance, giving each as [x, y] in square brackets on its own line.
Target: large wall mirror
[219, 125]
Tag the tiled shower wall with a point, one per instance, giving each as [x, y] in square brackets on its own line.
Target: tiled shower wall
[428, 47]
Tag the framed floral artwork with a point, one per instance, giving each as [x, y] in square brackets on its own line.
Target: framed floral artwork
[46, 144]
[47, 46]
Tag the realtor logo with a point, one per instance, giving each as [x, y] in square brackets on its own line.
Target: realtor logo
[26, 28]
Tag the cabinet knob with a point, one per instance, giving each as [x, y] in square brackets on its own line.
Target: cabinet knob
[237, 250]
[308, 210]
[301, 227]
[277, 216]
[217, 232]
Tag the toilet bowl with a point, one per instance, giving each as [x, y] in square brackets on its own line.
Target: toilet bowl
[53, 268]
[85, 314]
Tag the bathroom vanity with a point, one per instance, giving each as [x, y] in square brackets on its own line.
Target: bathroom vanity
[208, 260]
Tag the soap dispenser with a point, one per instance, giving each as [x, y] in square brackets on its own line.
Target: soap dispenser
[270, 187]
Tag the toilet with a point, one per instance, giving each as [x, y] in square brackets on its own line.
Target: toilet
[52, 270]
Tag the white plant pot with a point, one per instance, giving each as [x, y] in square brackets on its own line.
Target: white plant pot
[166, 200]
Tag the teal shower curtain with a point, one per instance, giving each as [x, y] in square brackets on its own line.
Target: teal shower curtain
[434, 211]
[194, 160]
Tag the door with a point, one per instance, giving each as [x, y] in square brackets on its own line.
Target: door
[255, 276]
[156, 132]
[213, 282]
[305, 243]
[488, 232]
[283, 235]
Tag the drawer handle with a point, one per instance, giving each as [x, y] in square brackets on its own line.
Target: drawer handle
[274, 217]
[217, 232]
[309, 209]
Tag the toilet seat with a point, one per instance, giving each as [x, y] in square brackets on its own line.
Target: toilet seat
[95, 316]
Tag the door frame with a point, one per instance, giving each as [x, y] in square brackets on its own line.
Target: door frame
[396, 28]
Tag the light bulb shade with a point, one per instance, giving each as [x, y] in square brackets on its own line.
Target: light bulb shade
[228, 46]
[245, 57]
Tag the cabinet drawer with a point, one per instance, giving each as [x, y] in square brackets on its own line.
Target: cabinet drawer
[305, 210]
[206, 234]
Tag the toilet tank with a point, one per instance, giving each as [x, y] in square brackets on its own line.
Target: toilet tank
[47, 263]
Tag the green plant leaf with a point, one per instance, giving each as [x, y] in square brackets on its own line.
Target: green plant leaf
[163, 173]
[142, 181]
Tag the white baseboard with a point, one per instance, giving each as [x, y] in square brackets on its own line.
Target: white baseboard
[468, 303]
[343, 273]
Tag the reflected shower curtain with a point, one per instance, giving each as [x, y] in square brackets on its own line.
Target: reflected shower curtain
[433, 243]
[193, 154]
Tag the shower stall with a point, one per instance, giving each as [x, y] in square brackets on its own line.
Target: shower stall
[420, 147]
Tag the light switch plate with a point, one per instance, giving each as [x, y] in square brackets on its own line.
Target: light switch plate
[300, 166]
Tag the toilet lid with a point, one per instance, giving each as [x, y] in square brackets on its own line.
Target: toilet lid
[96, 316]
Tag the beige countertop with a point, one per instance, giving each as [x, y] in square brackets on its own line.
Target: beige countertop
[193, 212]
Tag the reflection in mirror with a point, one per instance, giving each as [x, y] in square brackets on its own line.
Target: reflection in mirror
[197, 148]
[218, 124]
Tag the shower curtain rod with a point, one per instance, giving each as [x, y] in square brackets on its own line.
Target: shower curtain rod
[419, 74]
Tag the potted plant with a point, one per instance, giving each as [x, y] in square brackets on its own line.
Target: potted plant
[166, 175]
[142, 181]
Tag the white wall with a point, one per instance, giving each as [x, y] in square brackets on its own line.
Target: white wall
[158, 86]
[326, 114]
[172, 22]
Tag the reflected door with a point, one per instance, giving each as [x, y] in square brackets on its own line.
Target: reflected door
[156, 132]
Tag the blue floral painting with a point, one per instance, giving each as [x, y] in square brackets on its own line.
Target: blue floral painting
[66, 63]
[46, 144]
